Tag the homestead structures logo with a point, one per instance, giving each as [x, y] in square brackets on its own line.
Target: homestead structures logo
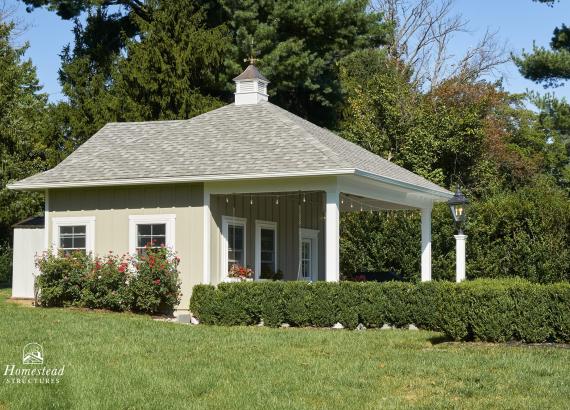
[33, 353]
[33, 370]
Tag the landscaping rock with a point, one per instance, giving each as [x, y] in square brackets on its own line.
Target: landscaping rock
[194, 321]
[360, 327]
[261, 324]
[386, 327]
[413, 327]
[337, 325]
[285, 325]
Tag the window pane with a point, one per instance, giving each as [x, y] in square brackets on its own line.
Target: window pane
[79, 229]
[66, 242]
[144, 230]
[79, 242]
[158, 240]
[144, 240]
[266, 256]
[159, 229]
[267, 240]
[66, 230]
[266, 267]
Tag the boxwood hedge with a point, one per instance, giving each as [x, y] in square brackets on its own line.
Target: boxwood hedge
[482, 310]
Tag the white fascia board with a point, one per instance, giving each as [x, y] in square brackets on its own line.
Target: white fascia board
[438, 196]
[165, 180]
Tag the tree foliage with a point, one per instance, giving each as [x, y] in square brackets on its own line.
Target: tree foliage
[26, 143]
[548, 66]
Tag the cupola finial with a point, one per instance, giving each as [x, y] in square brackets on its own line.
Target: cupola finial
[251, 85]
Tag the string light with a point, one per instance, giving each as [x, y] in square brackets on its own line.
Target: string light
[227, 200]
[304, 199]
[277, 201]
[251, 200]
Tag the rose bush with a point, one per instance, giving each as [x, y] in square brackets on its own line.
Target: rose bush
[146, 283]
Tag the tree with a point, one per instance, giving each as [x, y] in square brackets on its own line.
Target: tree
[26, 143]
[548, 67]
[419, 40]
[292, 39]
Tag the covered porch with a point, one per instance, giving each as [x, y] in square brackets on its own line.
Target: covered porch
[288, 228]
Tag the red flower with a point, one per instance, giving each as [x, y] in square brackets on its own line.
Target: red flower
[156, 281]
[123, 267]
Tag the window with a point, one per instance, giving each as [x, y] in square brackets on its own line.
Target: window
[153, 234]
[309, 250]
[70, 234]
[236, 240]
[307, 259]
[72, 238]
[157, 230]
[265, 248]
[233, 244]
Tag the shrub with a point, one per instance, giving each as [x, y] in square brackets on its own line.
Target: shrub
[5, 264]
[147, 283]
[105, 286]
[62, 278]
[155, 286]
[486, 310]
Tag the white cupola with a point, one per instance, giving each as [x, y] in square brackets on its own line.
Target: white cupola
[251, 86]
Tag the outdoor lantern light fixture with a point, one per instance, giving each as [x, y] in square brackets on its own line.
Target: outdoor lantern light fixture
[458, 206]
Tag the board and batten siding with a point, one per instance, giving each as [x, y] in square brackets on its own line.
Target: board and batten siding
[285, 214]
[112, 206]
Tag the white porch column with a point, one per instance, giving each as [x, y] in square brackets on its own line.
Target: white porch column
[332, 236]
[426, 244]
[460, 257]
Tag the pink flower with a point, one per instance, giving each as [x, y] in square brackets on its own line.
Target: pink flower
[156, 281]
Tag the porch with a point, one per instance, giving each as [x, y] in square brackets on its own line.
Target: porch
[289, 228]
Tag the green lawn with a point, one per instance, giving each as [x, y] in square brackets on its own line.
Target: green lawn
[127, 361]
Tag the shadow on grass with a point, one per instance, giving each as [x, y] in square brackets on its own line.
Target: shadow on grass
[439, 339]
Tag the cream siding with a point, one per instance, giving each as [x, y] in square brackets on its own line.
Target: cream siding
[112, 206]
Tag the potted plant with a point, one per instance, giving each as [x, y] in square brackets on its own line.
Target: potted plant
[239, 273]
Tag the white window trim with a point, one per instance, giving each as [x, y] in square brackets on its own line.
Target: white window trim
[259, 225]
[312, 234]
[168, 219]
[230, 220]
[88, 221]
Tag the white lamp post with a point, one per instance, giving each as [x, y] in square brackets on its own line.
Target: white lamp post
[458, 206]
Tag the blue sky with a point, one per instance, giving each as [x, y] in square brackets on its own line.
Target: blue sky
[519, 22]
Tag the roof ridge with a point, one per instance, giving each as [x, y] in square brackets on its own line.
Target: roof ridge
[325, 149]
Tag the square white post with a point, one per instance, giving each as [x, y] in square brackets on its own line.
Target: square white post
[460, 257]
[332, 236]
[426, 244]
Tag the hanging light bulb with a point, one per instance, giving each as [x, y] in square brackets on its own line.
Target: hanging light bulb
[251, 200]
[351, 205]
[277, 201]
[342, 201]
[227, 200]
[304, 199]
[360, 208]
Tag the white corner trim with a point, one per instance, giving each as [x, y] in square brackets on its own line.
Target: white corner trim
[230, 220]
[88, 221]
[259, 225]
[46, 220]
[206, 255]
[312, 234]
[168, 219]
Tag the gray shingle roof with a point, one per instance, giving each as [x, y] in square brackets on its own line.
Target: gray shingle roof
[239, 140]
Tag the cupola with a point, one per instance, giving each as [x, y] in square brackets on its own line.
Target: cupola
[251, 86]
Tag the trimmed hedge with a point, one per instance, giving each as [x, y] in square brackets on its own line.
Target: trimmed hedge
[483, 310]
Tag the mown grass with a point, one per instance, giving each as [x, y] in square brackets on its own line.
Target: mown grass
[120, 361]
